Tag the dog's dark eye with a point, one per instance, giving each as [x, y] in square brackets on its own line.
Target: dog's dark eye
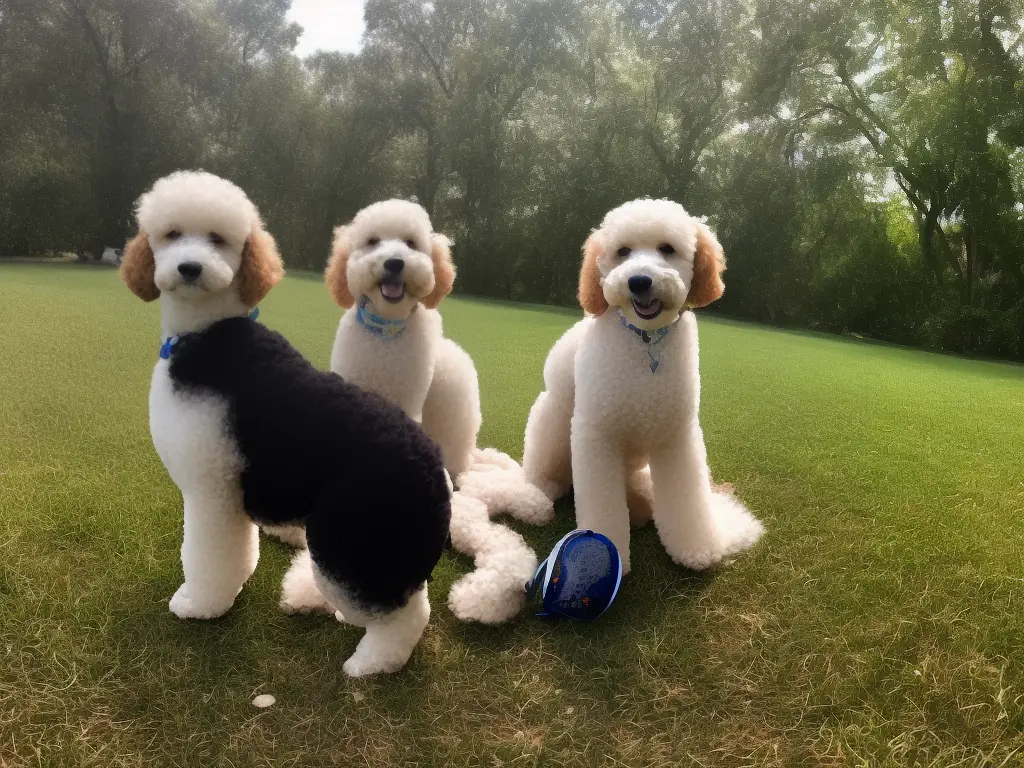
[216, 239]
[624, 252]
[411, 244]
[373, 242]
[666, 249]
[173, 234]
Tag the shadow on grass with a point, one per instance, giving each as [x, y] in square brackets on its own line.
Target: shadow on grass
[204, 673]
[589, 655]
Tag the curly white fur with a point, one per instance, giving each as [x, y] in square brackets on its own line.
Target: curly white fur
[495, 479]
[391, 246]
[605, 416]
[495, 591]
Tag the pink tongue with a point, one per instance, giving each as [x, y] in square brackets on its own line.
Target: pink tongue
[392, 291]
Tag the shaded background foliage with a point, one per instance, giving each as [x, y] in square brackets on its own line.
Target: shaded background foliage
[861, 160]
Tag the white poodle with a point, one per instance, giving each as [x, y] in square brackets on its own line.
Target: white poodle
[390, 264]
[252, 433]
[618, 421]
[391, 270]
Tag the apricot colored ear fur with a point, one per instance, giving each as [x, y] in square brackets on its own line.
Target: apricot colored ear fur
[261, 268]
[591, 294]
[138, 268]
[337, 265]
[708, 265]
[444, 271]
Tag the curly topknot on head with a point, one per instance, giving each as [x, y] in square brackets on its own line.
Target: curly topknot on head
[390, 218]
[202, 200]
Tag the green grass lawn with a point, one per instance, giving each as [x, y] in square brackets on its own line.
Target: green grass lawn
[879, 622]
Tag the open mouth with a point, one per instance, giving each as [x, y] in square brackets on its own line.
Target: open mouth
[647, 310]
[392, 288]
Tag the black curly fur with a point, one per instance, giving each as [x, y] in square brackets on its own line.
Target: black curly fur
[364, 478]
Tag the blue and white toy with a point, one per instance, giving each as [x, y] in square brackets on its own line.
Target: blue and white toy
[580, 578]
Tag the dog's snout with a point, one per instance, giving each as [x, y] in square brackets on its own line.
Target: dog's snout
[394, 265]
[190, 270]
[640, 284]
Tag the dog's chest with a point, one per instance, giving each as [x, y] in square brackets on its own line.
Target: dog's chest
[636, 390]
[398, 369]
[191, 434]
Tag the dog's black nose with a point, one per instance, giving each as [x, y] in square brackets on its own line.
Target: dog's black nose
[190, 270]
[640, 284]
[394, 265]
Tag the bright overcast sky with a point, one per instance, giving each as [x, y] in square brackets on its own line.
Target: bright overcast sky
[330, 25]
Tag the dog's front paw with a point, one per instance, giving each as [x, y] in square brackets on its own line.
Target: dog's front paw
[184, 606]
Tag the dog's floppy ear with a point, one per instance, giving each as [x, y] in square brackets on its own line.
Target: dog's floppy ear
[591, 294]
[138, 268]
[444, 270]
[336, 273]
[708, 265]
[261, 267]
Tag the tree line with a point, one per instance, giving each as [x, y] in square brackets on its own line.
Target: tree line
[862, 161]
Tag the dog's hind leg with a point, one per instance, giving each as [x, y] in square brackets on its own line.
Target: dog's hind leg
[391, 635]
[219, 552]
[547, 456]
[390, 638]
[640, 497]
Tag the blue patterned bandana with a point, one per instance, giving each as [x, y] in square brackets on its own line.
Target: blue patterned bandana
[167, 348]
[651, 339]
[379, 326]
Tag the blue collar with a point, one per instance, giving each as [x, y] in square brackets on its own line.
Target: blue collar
[377, 325]
[651, 339]
[648, 337]
[167, 348]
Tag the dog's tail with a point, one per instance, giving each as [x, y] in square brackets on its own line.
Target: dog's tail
[500, 483]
